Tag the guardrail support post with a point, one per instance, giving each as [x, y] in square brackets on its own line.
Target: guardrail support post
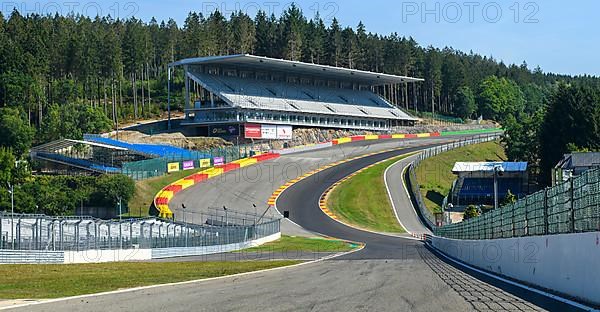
[546, 211]
[572, 194]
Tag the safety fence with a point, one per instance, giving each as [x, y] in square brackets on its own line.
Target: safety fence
[570, 207]
[157, 167]
[427, 215]
[215, 228]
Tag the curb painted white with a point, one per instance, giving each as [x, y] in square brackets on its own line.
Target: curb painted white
[122, 291]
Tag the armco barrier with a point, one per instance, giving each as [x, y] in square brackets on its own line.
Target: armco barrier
[162, 199]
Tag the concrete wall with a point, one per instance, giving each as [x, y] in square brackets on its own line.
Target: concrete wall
[568, 264]
[159, 253]
[103, 256]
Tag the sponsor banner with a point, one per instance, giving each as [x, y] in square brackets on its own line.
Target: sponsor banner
[268, 132]
[219, 161]
[187, 165]
[173, 167]
[205, 163]
[224, 130]
[252, 131]
[284, 132]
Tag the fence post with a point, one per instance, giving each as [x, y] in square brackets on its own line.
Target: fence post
[572, 193]
[513, 220]
[546, 211]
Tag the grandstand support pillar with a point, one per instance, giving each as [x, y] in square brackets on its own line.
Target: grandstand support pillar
[187, 88]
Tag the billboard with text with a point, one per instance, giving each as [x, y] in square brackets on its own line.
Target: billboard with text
[268, 132]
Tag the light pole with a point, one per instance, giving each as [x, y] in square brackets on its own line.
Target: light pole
[183, 207]
[120, 223]
[11, 190]
[498, 171]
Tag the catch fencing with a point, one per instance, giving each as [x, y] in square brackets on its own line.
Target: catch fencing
[570, 207]
[150, 168]
[45, 233]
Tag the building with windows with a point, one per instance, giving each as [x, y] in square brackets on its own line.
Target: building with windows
[475, 182]
[228, 92]
[572, 165]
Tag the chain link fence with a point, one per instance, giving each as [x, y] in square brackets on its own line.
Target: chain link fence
[41, 232]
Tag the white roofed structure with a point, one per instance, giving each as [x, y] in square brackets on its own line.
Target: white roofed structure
[239, 89]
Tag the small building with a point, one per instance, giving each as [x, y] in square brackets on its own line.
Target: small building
[475, 183]
[573, 165]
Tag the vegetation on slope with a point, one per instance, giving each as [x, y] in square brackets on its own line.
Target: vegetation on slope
[362, 201]
[435, 175]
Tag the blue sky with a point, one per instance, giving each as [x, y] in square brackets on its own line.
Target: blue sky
[559, 36]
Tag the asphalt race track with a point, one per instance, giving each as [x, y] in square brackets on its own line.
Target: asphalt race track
[389, 274]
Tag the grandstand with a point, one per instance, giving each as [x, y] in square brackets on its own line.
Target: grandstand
[239, 89]
[97, 154]
[475, 183]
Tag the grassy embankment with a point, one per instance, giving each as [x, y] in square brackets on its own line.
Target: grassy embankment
[145, 190]
[435, 174]
[315, 244]
[362, 201]
[53, 281]
[34, 281]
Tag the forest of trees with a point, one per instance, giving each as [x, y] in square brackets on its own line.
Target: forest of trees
[63, 76]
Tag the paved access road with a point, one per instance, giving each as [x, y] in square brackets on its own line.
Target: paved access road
[389, 274]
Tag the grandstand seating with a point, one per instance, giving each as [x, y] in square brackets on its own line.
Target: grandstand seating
[156, 150]
[277, 96]
[485, 187]
[85, 164]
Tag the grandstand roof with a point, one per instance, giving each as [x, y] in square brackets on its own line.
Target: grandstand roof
[325, 71]
[460, 167]
[64, 143]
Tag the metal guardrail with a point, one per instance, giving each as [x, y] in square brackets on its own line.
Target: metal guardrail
[570, 207]
[426, 214]
[40, 232]
[31, 257]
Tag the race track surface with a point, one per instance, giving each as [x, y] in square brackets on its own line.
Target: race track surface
[389, 274]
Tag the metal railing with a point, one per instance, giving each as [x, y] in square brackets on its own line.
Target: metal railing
[428, 215]
[40, 232]
[570, 207]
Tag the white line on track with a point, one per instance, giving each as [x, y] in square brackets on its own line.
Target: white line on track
[121, 291]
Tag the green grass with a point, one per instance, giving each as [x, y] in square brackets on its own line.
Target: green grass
[362, 201]
[139, 205]
[55, 281]
[435, 174]
[293, 243]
